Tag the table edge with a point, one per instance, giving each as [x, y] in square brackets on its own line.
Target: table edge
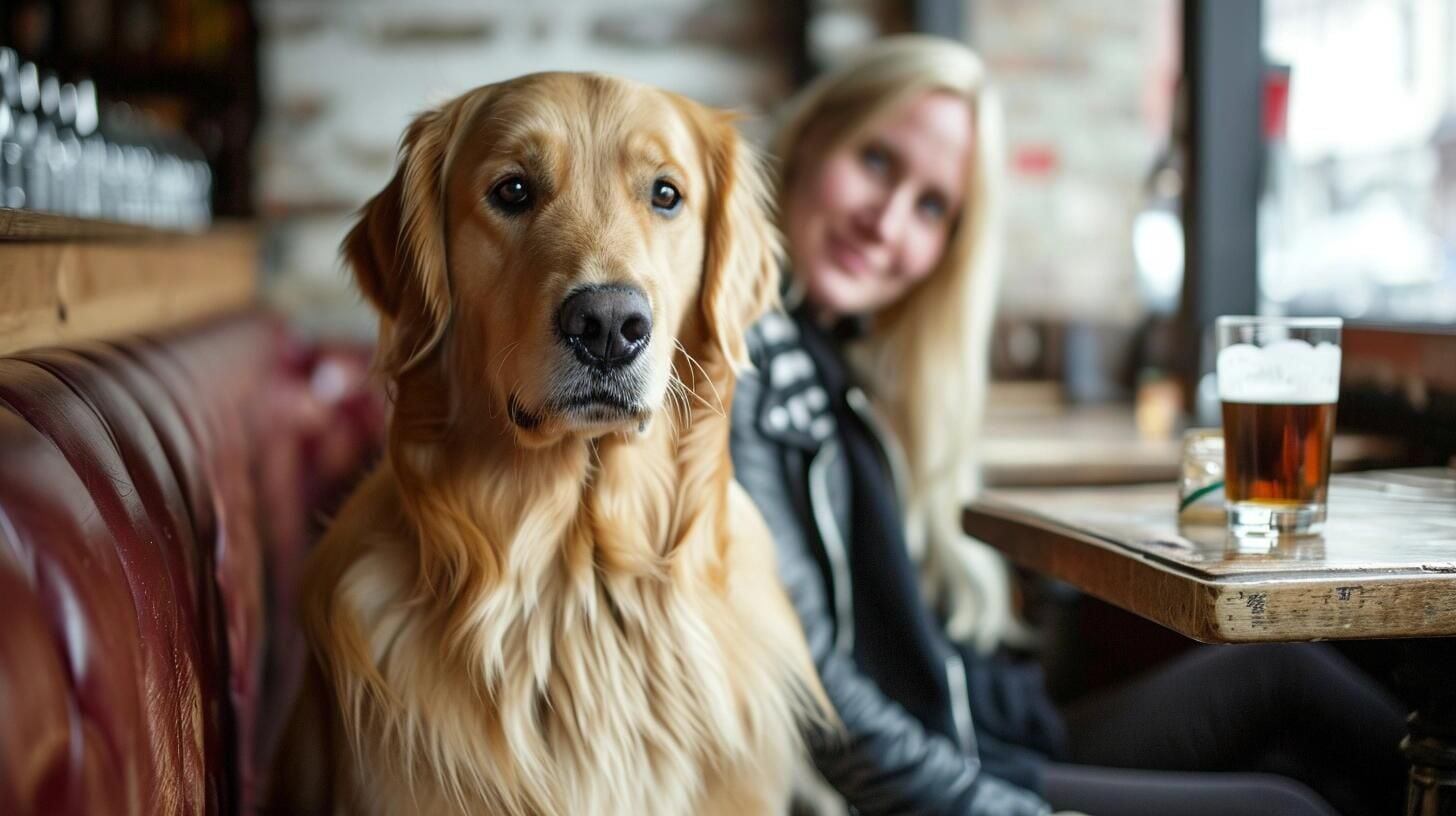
[1218, 610]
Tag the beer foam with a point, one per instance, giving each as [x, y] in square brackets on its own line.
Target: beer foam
[1289, 372]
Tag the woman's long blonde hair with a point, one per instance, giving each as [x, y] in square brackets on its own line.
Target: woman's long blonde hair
[925, 358]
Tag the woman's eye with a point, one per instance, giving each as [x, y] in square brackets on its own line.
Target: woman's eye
[932, 207]
[665, 197]
[511, 195]
[876, 159]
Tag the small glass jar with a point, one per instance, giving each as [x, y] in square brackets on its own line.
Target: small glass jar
[1200, 477]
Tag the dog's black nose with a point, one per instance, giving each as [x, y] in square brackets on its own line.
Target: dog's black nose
[607, 326]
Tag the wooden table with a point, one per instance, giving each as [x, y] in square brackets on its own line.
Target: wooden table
[1384, 567]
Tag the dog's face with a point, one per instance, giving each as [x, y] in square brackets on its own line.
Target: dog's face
[550, 244]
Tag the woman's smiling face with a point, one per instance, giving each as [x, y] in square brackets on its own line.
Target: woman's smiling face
[871, 219]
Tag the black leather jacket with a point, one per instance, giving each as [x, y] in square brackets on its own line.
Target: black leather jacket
[806, 449]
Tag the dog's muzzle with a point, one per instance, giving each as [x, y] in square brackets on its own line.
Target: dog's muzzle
[603, 380]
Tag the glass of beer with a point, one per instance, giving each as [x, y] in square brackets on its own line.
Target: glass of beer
[1279, 380]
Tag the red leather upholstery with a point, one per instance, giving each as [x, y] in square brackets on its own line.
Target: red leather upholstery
[156, 496]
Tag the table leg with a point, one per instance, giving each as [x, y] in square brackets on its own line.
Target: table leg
[1429, 674]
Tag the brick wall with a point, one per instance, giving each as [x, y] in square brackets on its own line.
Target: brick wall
[1086, 86]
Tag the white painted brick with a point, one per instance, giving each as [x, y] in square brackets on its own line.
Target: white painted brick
[1073, 75]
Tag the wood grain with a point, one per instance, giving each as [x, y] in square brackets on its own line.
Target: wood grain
[1384, 567]
[27, 225]
[61, 291]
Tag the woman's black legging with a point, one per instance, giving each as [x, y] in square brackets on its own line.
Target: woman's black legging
[1281, 729]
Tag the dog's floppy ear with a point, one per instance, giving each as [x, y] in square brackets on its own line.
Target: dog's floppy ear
[741, 259]
[397, 248]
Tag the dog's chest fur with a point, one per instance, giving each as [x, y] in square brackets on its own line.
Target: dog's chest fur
[570, 686]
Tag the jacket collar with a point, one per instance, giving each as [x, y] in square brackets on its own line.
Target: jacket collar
[794, 404]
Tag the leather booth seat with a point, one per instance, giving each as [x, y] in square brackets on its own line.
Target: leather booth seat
[156, 497]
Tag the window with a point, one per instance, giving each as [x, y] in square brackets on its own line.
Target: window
[1359, 212]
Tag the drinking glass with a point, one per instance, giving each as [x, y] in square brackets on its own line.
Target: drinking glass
[1278, 380]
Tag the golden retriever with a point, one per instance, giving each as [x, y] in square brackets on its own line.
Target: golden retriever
[552, 597]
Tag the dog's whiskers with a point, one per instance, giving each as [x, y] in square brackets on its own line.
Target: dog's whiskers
[694, 364]
[503, 355]
[680, 407]
[594, 459]
[684, 405]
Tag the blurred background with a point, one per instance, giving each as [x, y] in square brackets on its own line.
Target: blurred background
[1170, 160]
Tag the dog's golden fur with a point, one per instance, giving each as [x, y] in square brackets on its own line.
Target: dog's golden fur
[528, 611]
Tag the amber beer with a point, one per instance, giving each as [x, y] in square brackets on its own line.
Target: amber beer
[1277, 454]
[1278, 379]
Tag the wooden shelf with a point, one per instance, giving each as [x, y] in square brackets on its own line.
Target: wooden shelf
[67, 279]
[28, 225]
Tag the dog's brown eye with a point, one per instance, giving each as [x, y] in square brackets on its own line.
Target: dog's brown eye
[511, 195]
[665, 197]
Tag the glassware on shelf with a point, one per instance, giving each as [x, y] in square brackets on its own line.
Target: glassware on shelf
[62, 152]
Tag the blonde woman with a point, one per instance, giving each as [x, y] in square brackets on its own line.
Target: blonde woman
[857, 436]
